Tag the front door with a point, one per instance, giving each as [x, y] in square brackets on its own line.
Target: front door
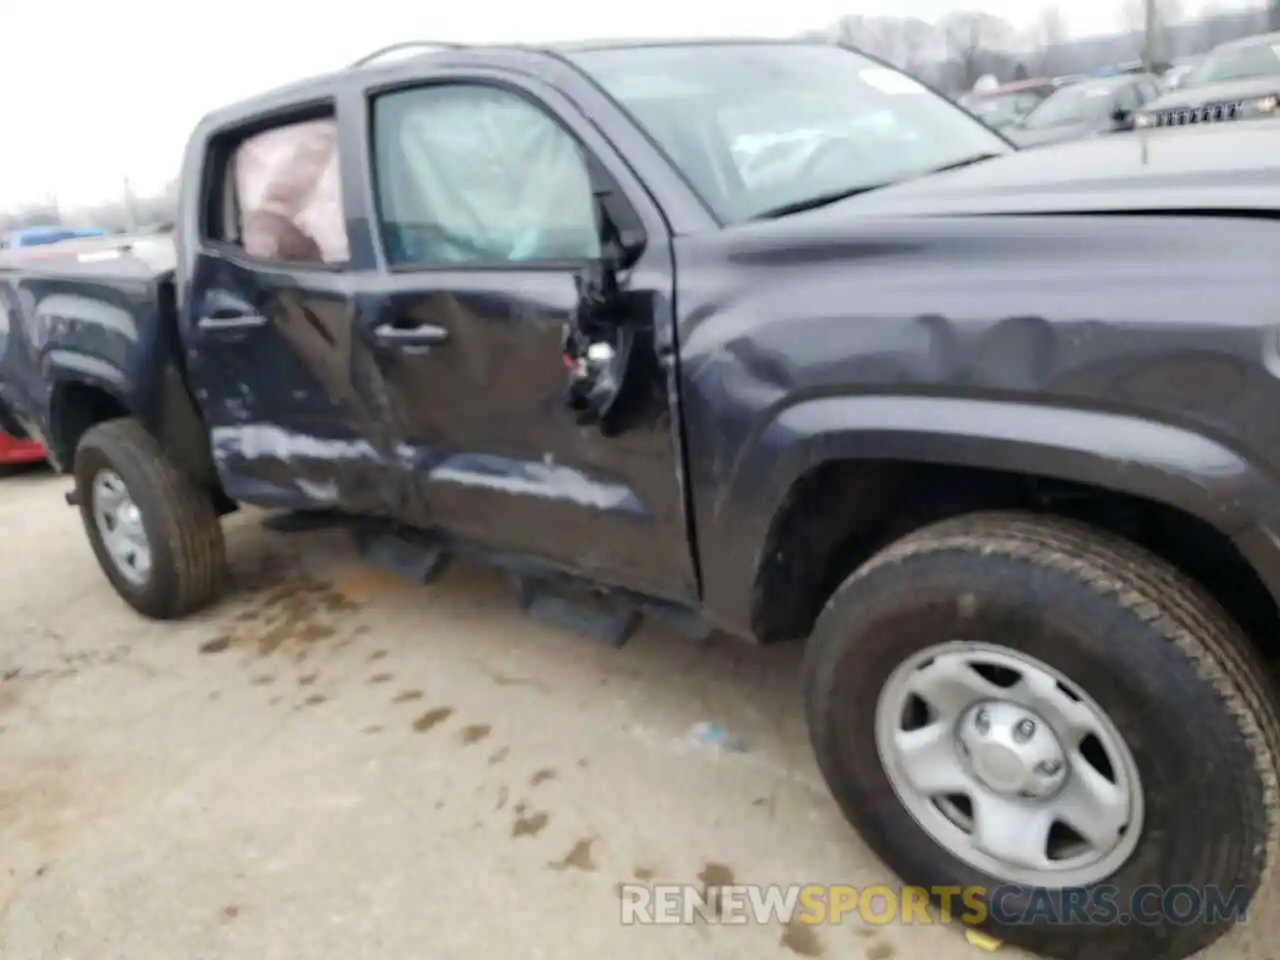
[487, 219]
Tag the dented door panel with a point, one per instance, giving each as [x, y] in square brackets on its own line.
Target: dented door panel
[293, 399]
[495, 453]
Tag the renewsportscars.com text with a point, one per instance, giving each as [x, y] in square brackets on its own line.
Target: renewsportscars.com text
[1007, 905]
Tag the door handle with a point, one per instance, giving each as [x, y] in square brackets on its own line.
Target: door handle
[423, 335]
[231, 320]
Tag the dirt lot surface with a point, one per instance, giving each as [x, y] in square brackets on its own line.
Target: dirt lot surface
[334, 764]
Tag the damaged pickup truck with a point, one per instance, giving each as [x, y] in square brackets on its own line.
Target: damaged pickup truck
[996, 434]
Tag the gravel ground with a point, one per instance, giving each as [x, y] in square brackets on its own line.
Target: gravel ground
[334, 764]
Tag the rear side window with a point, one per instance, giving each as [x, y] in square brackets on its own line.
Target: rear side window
[281, 193]
[476, 174]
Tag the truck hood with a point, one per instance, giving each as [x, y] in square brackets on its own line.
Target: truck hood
[1215, 93]
[1227, 168]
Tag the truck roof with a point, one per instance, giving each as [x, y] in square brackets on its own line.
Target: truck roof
[516, 54]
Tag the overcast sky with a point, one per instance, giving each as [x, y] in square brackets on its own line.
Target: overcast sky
[94, 91]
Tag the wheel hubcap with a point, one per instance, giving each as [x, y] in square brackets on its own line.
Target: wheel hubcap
[1011, 750]
[1009, 766]
[119, 523]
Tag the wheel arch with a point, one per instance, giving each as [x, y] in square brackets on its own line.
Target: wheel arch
[831, 480]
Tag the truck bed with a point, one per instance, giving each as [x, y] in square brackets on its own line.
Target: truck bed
[93, 309]
[142, 256]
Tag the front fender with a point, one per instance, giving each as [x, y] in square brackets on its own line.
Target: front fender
[1144, 458]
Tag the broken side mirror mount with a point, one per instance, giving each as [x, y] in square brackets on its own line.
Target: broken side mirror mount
[599, 340]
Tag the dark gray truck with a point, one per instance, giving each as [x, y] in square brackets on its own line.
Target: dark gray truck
[995, 433]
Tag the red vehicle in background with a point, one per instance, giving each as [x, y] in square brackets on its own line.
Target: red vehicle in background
[18, 450]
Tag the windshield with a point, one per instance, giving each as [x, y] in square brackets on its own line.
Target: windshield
[756, 127]
[1236, 63]
[1082, 103]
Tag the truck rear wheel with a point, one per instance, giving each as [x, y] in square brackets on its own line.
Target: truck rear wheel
[1056, 725]
[154, 530]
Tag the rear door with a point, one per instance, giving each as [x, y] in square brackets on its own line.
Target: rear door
[270, 325]
[486, 223]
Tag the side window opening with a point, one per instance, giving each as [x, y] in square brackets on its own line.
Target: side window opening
[282, 195]
[474, 174]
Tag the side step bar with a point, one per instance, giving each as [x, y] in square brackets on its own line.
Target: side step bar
[609, 617]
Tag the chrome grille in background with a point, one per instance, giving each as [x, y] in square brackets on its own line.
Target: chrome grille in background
[1205, 113]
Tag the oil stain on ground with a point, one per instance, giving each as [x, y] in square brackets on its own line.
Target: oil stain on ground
[296, 610]
[475, 733]
[578, 858]
[217, 644]
[432, 719]
[542, 776]
[530, 825]
[801, 939]
[714, 876]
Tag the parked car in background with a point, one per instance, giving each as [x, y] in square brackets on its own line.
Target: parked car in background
[1003, 106]
[1086, 109]
[1181, 69]
[41, 236]
[1135, 67]
[16, 451]
[1238, 80]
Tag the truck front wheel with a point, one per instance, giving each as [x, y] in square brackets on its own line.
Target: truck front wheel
[154, 530]
[1053, 732]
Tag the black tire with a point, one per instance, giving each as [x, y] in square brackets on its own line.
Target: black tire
[188, 569]
[1172, 670]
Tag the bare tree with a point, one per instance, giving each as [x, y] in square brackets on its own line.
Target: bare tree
[1047, 35]
[902, 41]
[972, 37]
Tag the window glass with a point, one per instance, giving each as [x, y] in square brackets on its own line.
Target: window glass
[1003, 109]
[477, 174]
[288, 194]
[1088, 102]
[1237, 61]
[760, 127]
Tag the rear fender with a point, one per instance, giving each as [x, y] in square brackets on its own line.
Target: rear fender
[151, 385]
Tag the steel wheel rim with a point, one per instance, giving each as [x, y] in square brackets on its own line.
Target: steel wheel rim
[120, 528]
[1054, 797]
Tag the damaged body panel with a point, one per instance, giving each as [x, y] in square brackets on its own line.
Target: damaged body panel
[422, 379]
[1137, 354]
